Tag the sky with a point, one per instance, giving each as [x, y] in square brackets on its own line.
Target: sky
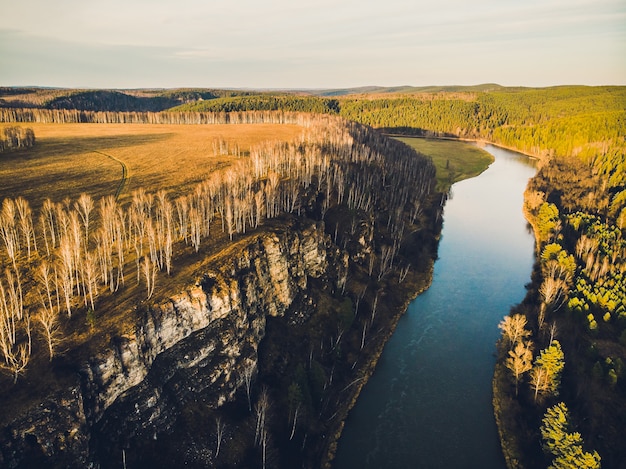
[300, 44]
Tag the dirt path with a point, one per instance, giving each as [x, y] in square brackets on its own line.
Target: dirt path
[125, 173]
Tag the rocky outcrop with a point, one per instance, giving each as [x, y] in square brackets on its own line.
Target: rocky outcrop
[200, 339]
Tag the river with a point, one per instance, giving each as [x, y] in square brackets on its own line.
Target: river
[428, 403]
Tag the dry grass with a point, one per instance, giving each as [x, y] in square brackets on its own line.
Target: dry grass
[69, 159]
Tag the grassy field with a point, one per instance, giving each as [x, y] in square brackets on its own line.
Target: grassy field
[69, 159]
[454, 160]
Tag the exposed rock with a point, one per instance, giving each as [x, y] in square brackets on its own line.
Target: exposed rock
[199, 339]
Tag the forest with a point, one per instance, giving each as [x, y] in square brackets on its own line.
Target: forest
[107, 100]
[560, 380]
[15, 138]
[560, 383]
[559, 386]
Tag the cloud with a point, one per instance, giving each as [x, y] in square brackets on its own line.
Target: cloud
[323, 43]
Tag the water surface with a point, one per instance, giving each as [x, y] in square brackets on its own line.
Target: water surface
[428, 404]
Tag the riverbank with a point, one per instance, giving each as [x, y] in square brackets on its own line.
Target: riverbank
[478, 141]
[430, 398]
[419, 286]
[422, 283]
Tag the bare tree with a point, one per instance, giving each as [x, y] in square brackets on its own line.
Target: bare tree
[229, 217]
[90, 275]
[25, 222]
[149, 271]
[67, 285]
[49, 314]
[14, 294]
[119, 249]
[49, 320]
[264, 441]
[260, 410]
[17, 360]
[259, 207]
[12, 318]
[8, 230]
[404, 271]
[514, 329]
[520, 361]
[553, 331]
[195, 227]
[48, 224]
[374, 307]
[182, 212]
[84, 206]
[538, 380]
[552, 290]
[363, 334]
[220, 426]
[8, 323]
[246, 377]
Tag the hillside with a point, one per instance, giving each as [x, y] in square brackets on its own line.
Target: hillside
[248, 299]
[107, 100]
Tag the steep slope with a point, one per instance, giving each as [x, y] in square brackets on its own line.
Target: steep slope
[261, 354]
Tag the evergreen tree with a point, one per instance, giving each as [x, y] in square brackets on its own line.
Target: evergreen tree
[564, 445]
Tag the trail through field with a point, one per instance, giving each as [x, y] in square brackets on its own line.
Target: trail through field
[125, 173]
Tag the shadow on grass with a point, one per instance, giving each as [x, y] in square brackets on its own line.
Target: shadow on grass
[75, 145]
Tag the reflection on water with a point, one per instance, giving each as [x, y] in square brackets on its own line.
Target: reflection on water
[428, 404]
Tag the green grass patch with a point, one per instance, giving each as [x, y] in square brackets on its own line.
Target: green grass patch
[454, 160]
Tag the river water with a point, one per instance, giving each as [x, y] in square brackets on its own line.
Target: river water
[428, 404]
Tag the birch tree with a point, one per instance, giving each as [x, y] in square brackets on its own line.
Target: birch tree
[149, 271]
[519, 361]
[220, 426]
[25, 223]
[84, 207]
[514, 329]
[48, 316]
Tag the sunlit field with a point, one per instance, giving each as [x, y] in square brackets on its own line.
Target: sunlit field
[117, 159]
[454, 160]
[69, 159]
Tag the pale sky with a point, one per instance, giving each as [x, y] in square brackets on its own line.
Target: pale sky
[311, 44]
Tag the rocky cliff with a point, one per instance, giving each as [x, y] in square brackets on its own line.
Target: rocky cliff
[199, 340]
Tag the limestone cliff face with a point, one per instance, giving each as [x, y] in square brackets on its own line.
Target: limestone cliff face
[200, 339]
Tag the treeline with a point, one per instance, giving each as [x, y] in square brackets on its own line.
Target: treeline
[57, 263]
[264, 103]
[15, 138]
[533, 120]
[102, 100]
[576, 204]
[71, 116]
[530, 120]
[108, 100]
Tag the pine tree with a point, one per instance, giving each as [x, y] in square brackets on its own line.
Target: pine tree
[564, 445]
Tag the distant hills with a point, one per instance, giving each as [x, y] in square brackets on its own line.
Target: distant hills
[405, 89]
[139, 100]
[155, 100]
